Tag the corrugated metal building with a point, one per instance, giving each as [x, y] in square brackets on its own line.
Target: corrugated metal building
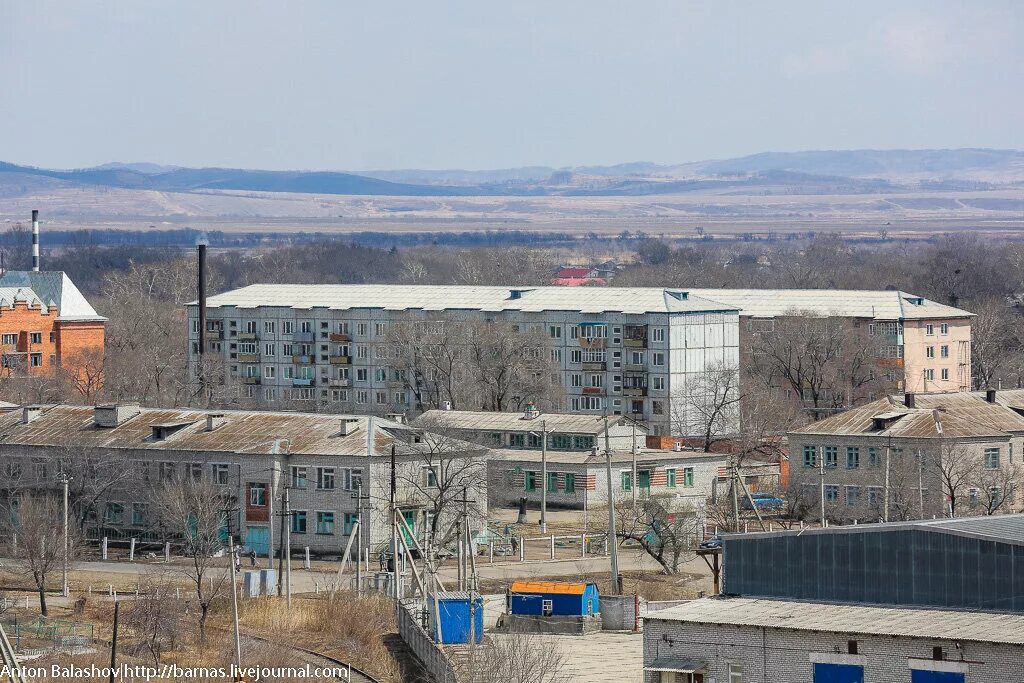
[554, 599]
[460, 614]
[967, 563]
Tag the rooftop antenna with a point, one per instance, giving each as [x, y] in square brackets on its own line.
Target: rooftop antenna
[35, 240]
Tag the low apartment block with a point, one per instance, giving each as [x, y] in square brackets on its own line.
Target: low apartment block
[641, 352]
[117, 455]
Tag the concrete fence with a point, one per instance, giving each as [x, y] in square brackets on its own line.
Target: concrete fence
[433, 657]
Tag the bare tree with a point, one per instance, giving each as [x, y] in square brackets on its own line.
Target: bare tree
[667, 535]
[514, 658]
[155, 616]
[993, 490]
[31, 525]
[195, 512]
[955, 464]
[710, 406]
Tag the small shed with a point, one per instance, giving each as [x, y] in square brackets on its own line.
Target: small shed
[458, 611]
[554, 599]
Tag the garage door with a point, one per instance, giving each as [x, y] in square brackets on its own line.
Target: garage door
[838, 673]
[920, 676]
[257, 538]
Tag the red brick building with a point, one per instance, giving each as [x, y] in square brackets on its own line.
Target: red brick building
[47, 324]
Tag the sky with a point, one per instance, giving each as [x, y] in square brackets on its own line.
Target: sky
[481, 84]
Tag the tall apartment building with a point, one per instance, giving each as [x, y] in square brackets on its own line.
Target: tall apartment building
[46, 324]
[926, 342]
[641, 352]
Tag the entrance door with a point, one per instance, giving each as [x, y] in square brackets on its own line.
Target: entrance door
[644, 479]
[921, 676]
[410, 519]
[258, 538]
[838, 673]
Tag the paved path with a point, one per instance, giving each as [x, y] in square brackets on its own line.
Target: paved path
[602, 657]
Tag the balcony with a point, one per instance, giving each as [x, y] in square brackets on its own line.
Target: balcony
[302, 382]
[338, 337]
[307, 337]
[248, 336]
[593, 391]
[595, 367]
[248, 358]
[340, 360]
[303, 360]
[342, 383]
[635, 336]
[634, 367]
[250, 380]
[634, 391]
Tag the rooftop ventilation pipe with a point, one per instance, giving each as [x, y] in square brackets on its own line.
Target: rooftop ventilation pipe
[908, 399]
[990, 395]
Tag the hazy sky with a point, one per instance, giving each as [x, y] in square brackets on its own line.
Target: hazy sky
[341, 84]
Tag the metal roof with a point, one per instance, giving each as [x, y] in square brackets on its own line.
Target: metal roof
[588, 458]
[597, 300]
[877, 304]
[560, 423]
[246, 432]
[985, 627]
[49, 288]
[952, 415]
[558, 587]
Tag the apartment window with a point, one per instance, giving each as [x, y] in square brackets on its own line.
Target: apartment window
[735, 673]
[360, 374]
[257, 494]
[219, 473]
[561, 441]
[36, 337]
[831, 456]
[929, 352]
[688, 477]
[287, 327]
[381, 398]
[570, 482]
[362, 352]
[944, 328]
[380, 375]
[268, 349]
[582, 442]
[555, 331]
[36, 360]
[325, 478]
[249, 348]
[810, 456]
[873, 458]
[298, 478]
[944, 351]
[874, 495]
[114, 513]
[299, 521]
[831, 493]
[658, 334]
[658, 383]
[139, 511]
[167, 471]
[195, 470]
[268, 371]
[12, 339]
[516, 440]
[352, 478]
[637, 358]
[670, 477]
[339, 394]
[380, 329]
[556, 355]
[325, 523]
[361, 329]
[269, 394]
[929, 374]
[658, 358]
[306, 326]
[627, 481]
[852, 496]
[929, 329]
[529, 481]
[349, 523]
[269, 326]
[362, 396]
[596, 381]
[552, 482]
[533, 440]
[430, 476]
[657, 408]
[852, 457]
[944, 374]
[576, 355]
[992, 457]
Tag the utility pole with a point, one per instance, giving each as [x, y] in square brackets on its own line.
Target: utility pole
[885, 491]
[612, 537]
[276, 450]
[920, 481]
[821, 486]
[113, 640]
[234, 599]
[543, 477]
[287, 518]
[358, 495]
[65, 591]
[394, 535]
[632, 449]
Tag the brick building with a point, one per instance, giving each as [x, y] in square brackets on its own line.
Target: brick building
[46, 324]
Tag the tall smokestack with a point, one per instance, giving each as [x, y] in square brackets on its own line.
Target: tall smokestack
[201, 246]
[35, 240]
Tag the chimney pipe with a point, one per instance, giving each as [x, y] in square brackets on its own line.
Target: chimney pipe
[990, 395]
[35, 240]
[202, 314]
[908, 399]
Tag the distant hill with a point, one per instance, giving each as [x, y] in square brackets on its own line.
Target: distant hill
[815, 172]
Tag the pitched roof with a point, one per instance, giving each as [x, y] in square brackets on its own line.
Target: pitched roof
[558, 587]
[250, 432]
[574, 271]
[643, 456]
[478, 420]
[981, 627]
[49, 288]
[952, 415]
[876, 304]
[633, 300]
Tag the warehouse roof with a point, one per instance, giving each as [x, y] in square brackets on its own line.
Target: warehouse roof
[877, 304]
[983, 627]
[635, 300]
[50, 288]
[951, 415]
[239, 431]
[519, 422]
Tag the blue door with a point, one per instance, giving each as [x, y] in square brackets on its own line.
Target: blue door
[838, 673]
[257, 538]
[921, 676]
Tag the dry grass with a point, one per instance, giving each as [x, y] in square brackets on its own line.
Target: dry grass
[651, 585]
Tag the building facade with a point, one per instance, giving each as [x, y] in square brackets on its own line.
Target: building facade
[46, 325]
[939, 454]
[118, 455]
[643, 352]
